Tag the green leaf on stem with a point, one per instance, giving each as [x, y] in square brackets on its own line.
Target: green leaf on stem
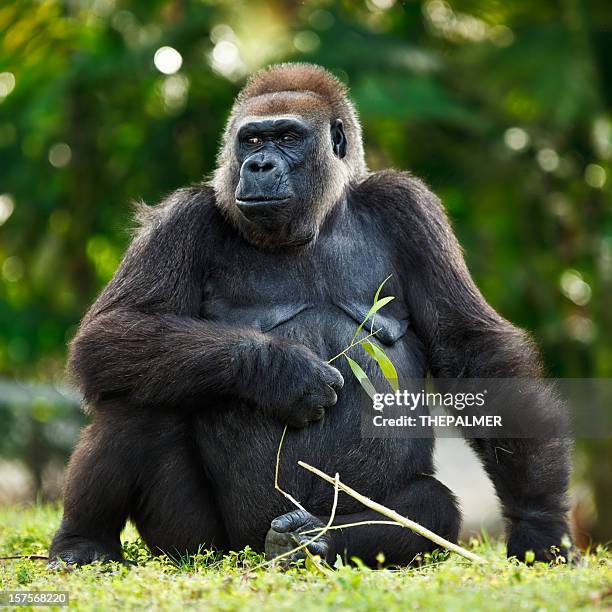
[361, 376]
[376, 306]
[384, 363]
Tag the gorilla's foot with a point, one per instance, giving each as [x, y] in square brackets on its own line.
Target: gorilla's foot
[294, 529]
[76, 550]
[545, 541]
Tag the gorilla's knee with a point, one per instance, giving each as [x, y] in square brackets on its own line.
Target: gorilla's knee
[437, 506]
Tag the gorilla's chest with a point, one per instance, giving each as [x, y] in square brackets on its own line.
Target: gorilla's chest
[316, 295]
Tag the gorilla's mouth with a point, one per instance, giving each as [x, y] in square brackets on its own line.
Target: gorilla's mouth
[264, 210]
[254, 201]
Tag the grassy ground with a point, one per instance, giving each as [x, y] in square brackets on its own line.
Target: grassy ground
[230, 583]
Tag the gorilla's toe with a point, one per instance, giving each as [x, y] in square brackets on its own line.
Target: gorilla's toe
[78, 552]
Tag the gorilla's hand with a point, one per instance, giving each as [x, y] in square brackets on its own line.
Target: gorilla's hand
[548, 541]
[290, 382]
[287, 532]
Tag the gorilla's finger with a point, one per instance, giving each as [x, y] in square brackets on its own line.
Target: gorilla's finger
[331, 398]
[317, 414]
[333, 378]
[323, 398]
[298, 556]
[291, 521]
[316, 548]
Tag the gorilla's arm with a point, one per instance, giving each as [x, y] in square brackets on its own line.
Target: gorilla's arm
[143, 342]
[466, 338]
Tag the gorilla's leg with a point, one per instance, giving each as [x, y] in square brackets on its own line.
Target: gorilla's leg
[98, 491]
[425, 500]
[138, 465]
[176, 513]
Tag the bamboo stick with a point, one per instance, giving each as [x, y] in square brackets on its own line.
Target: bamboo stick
[398, 518]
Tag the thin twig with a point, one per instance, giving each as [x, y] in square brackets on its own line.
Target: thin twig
[398, 518]
[336, 482]
[297, 503]
[358, 524]
[276, 485]
[31, 557]
[352, 344]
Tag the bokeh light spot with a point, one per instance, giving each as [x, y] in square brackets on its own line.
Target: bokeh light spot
[225, 53]
[174, 92]
[548, 159]
[516, 138]
[595, 176]
[7, 84]
[383, 5]
[7, 206]
[306, 41]
[12, 269]
[221, 32]
[168, 60]
[580, 328]
[225, 58]
[60, 155]
[575, 288]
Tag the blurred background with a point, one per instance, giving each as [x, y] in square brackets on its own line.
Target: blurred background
[503, 107]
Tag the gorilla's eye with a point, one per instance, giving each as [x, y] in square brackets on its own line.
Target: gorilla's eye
[254, 140]
[286, 138]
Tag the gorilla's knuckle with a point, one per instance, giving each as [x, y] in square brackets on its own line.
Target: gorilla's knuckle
[315, 403]
[317, 414]
[335, 378]
[298, 421]
[331, 398]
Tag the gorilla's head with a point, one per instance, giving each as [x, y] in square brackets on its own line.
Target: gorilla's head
[291, 148]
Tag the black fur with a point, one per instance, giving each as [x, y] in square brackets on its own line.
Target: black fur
[204, 345]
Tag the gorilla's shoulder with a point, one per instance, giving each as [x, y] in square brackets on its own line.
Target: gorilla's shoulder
[400, 195]
[186, 207]
[395, 188]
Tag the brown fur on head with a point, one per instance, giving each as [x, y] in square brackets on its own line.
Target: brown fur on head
[316, 96]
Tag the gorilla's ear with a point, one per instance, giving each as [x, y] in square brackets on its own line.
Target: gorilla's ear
[338, 138]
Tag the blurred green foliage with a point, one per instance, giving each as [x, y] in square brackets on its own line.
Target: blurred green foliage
[504, 108]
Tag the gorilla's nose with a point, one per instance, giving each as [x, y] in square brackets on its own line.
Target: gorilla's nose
[259, 166]
[263, 186]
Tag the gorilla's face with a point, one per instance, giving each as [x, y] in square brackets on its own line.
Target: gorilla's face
[286, 166]
[286, 161]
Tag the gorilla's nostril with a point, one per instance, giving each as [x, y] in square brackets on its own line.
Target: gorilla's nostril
[260, 166]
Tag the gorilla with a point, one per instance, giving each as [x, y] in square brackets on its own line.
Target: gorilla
[215, 332]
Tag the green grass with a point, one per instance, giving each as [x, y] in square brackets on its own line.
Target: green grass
[227, 583]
